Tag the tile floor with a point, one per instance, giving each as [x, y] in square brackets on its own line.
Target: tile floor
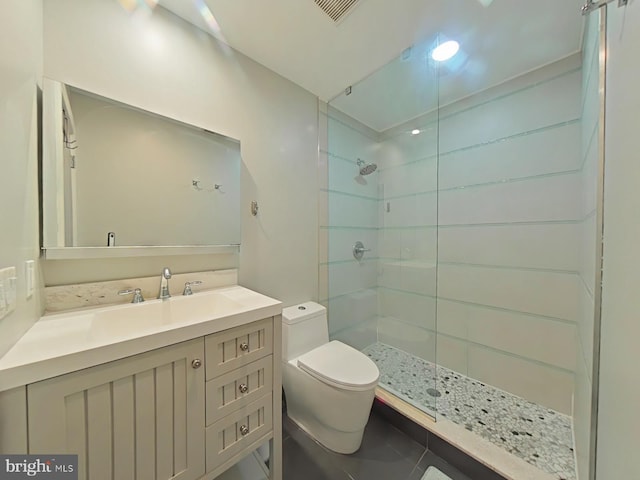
[386, 454]
[534, 433]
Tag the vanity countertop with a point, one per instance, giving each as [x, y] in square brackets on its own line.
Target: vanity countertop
[64, 342]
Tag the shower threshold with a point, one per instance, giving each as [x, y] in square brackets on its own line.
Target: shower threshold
[538, 435]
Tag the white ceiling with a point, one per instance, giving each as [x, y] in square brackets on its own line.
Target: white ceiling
[300, 42]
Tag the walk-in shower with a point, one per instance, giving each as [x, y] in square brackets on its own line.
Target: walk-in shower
[474, 301]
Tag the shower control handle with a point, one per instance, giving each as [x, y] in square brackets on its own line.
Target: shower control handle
[358, 250]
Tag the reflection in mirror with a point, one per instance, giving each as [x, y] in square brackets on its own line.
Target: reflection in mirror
[115, 175]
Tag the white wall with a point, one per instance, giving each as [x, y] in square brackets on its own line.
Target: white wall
[587, 271]
[162, 64]
[509, 216]
[618, 416]
[21, 60]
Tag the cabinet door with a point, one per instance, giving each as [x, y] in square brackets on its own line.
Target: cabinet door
[141, 417]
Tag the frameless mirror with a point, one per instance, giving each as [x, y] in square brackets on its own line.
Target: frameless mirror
[117, 178]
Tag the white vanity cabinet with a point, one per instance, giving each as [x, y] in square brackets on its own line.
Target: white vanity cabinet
[184, 411]
[140, 417]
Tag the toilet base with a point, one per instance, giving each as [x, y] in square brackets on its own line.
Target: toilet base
[339, 442]
[335, 417]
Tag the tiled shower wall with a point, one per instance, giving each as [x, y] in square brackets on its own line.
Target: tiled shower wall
[589, 154]
[408, 238]
[348, 213]
[505, 193]
[509, 220]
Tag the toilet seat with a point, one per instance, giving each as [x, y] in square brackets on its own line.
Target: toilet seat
[341, 366]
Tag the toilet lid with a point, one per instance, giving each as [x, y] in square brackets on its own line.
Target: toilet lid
[341, 365]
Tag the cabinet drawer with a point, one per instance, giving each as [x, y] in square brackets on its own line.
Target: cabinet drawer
[238, 430]
[238, 388]
[233, 348]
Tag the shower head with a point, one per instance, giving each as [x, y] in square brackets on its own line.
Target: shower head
[366, 169]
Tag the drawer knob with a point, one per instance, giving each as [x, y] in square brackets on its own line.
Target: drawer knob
[197, 363]
[244, 430]
[244, 346]
[243, 388]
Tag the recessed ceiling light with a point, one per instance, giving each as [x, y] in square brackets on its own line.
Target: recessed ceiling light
[415, 132]
[445, 51]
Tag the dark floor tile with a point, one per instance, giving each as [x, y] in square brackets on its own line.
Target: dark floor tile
[464, 463]
[379, 430]
[430, 459]
[304, 459]
[402, 423]
[386, 453]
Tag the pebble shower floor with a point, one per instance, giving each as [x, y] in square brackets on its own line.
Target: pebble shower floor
[539, 435]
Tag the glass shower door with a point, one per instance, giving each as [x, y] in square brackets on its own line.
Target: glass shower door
[380, 226]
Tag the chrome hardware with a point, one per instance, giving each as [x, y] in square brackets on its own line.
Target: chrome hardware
[358, 250]
[196, 363]
[243, 388]
[164, 284]
[244, 346]
[244, 430]
[187, 287]
[592, 5]
[137, 294]
[254, 208]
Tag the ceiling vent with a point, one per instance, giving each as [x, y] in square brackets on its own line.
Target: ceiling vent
[336, 9]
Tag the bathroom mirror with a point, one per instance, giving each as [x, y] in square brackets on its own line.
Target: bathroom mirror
[119, 181]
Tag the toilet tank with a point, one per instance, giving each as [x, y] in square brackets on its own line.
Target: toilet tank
[304, 327]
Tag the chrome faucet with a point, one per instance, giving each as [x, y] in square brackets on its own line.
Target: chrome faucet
[164, 284]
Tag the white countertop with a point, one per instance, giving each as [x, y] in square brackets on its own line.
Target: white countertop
[66, 342]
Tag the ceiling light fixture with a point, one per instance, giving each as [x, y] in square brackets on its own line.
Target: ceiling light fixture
[445, 51]
[415, 132]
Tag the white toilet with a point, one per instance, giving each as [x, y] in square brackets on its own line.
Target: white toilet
[329, 386]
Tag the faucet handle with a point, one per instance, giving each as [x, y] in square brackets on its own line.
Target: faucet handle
[187, 287]
[137, 294]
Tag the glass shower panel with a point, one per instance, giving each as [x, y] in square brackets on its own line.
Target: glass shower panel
[510, 179]
[381, 190]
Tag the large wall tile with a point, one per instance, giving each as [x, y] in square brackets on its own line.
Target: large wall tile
[409, 338]
[352, 309]
[344, 176]
[416, 177]
[527, 336]
[341, 241]
[453, 354]
[544, 246]
[554, 198]
[351, 277]
[543, 152]
[513, 114]
[537, 383]
[348, 211]
[409, 307]
[543, 293]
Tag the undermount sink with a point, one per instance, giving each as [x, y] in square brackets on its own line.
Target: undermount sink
[159, 314]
